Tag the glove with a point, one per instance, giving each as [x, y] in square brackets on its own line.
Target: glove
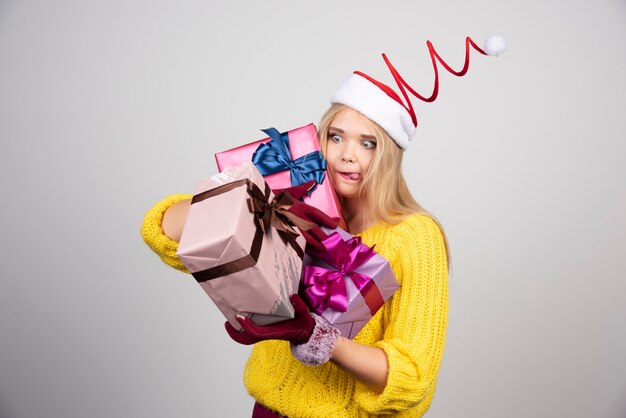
[312, 338]
[317, 349]
[308, 212]
[296, 330]
[299, 191]
[314, 235]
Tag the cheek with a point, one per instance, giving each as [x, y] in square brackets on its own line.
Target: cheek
[366, 161]
[331, 154]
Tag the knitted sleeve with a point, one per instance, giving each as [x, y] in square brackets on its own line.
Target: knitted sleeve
[415, 320]
[153, 235]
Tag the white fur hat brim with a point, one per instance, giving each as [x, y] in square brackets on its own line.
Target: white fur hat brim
[367, 98]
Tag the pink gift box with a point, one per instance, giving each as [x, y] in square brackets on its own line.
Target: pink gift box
[347, 299]
[242, 268]
[302, 141]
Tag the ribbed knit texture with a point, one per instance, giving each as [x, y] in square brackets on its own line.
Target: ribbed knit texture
[153, 235]
[410, 328]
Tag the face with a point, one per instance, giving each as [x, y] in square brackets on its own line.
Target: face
[350, 149]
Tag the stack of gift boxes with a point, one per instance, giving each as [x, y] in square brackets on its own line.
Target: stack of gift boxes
[244, 245]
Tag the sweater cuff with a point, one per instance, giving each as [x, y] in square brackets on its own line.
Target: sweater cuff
[405, 387]
[154, 236]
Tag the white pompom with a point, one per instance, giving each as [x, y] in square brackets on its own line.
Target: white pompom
[495, 45]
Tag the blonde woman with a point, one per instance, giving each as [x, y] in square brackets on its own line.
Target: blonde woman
[391, 365]
[303, 367]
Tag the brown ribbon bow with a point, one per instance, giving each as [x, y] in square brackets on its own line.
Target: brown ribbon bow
[267, 214]
[275, 214]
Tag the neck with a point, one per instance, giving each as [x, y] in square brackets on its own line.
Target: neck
[357, 215]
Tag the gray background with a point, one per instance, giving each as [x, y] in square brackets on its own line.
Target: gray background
[106, 107]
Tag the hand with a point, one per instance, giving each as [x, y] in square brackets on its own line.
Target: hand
[296, 330]
[308, 212]
[314, 235]
[299, 191]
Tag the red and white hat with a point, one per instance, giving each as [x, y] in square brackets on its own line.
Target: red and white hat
[383, 105]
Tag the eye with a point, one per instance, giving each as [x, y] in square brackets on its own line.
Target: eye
[334, 138]
[368, 144]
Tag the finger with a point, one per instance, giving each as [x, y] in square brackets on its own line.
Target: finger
[319, 217]
[318, 234]
[298, 191]
[312, 244]
[257, 331]
[240, 337]
[313, 214]
[298, 304]
[314, 238]
[303, 317]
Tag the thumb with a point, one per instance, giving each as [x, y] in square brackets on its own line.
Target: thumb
[298, 304]
[301, 190]
[240, 337]
[313, 214]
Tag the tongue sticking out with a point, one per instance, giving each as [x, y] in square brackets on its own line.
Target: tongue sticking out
[353, 176]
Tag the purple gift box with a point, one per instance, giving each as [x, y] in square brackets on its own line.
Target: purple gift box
[347, 283]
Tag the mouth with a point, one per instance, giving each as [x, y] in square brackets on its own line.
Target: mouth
[350, 176]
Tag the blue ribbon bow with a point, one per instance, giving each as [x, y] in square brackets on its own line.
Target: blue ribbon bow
[274, 156]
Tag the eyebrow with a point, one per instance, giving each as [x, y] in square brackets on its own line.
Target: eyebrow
[341, 131]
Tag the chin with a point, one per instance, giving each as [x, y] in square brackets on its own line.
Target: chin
[347, 193]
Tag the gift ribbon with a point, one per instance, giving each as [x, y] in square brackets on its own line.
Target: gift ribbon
[276, 214]
[274, 156]
[267, 214]
[327, 288]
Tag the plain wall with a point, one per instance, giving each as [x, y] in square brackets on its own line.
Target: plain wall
[107, 107]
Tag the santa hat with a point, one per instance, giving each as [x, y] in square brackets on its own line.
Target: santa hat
[383, 105]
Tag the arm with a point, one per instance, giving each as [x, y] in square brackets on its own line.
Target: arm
[174, 219]
[364, 363]
[314, 341]
[155, 237]
[414, 320]
[163, 223]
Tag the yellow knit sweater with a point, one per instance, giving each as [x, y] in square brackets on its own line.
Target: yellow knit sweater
[410, 328]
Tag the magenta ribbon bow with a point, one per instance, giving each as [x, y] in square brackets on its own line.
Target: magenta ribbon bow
[327, 288]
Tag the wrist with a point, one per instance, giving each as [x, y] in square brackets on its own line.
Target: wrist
[339, 344]
[317, 349]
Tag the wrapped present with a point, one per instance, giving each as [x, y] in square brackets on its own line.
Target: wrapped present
[239, 246]
[289, 159]
[345, 281]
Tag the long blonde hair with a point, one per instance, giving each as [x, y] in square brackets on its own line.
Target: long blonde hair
[386, 203]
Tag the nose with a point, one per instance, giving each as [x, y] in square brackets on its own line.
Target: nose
[348, 153]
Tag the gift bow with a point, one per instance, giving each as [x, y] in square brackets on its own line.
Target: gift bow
[267, 214]
[275, 214]
[327, 288]
[274, 156]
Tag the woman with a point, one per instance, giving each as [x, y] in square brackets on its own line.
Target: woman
[303, 367]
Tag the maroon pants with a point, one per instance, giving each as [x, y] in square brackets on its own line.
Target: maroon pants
[260, 411]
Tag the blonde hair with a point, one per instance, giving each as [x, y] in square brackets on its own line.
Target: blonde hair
[386, 203]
